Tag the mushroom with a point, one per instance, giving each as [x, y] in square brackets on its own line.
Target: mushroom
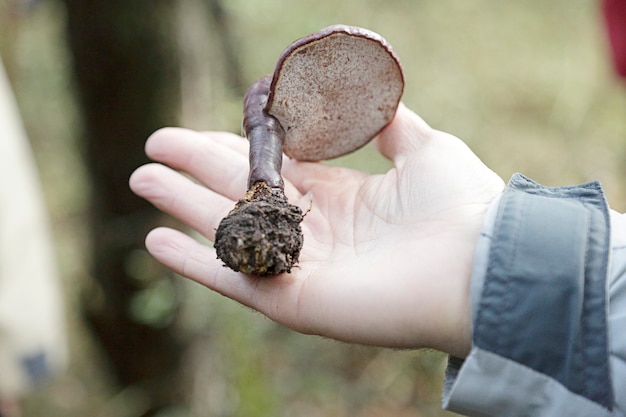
[330, 94]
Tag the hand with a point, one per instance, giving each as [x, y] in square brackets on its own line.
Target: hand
[386, 258]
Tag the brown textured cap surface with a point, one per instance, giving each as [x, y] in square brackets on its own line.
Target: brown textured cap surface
[334, 90]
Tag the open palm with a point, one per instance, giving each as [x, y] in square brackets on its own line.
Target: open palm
[386, 258]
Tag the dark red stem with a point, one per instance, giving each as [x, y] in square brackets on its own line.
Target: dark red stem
[265, 135]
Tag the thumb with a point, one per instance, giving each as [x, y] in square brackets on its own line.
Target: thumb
[406, 133]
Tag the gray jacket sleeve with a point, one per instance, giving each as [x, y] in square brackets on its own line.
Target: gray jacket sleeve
[548, 308]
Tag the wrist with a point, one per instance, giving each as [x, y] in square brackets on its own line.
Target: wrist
[457, 339]
[539, 305]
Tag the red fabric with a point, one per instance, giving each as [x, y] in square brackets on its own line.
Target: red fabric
[615, 19]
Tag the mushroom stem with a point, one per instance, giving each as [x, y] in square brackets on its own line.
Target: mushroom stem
[266, 137]
[262, 234]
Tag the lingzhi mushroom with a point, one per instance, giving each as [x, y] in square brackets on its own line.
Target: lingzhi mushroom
[330, 94]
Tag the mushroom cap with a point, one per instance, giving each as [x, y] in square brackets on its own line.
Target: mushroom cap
[334, 90]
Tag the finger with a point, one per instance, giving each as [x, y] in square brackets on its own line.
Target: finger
[235, 142]
[223, 168]
[299, 172]
[178, 196]
[274, 297]
[305, 176]
[189, 258]
[219, 160]
[404, 135]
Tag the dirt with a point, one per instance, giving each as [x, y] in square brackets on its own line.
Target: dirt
[262, 234]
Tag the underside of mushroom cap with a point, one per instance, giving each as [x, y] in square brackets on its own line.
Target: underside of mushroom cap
[335, 90]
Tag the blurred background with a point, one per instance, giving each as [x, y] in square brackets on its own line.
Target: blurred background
[528, 85]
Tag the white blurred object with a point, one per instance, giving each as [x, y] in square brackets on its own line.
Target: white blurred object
[33, 343]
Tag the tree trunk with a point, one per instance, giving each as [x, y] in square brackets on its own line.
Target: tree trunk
[127, 77]
[225, 31]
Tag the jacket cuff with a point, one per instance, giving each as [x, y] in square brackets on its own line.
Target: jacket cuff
[539, 303]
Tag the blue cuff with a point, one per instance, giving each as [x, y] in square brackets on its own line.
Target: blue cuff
[542, 304]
